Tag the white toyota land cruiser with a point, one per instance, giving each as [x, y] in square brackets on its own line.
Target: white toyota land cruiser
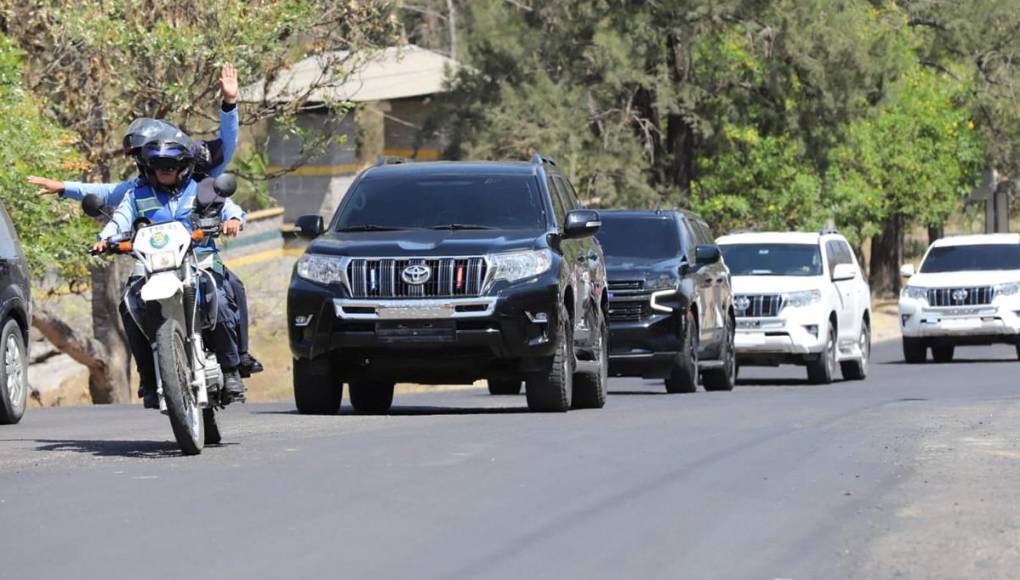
[800, 298]
[966, 292]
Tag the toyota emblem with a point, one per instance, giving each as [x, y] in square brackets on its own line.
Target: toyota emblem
[416, 274]
[959, 295]
[741, 303]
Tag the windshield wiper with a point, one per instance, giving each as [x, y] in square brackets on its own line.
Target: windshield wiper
[460, 227]
[370, 228]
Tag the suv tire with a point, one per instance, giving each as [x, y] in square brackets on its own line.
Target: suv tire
[504, 386]
[857, 370]
[914, 351]
[943, 353]
[316, 390]
[683, 377]
[724, 378]
[821, 370]
[13, 374]
[552, 390]
[371, 397]
[590, 388]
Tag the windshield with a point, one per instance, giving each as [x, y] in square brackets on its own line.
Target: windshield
[975, 257]
[652, 238]
[773, 259]
[444, 202]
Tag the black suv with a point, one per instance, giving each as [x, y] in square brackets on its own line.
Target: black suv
[670, 302]
[15, 314]
[450, 272]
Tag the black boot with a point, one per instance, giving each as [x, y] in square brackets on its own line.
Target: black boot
[233, 384]
[150, 400]
[249, 365]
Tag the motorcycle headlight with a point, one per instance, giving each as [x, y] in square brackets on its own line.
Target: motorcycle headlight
[321, 269]
[514, 266]
[914, 292]
[1007, 289]
[801, 299]
[161, 261]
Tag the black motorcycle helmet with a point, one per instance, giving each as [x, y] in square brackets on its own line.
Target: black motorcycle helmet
[175, 154]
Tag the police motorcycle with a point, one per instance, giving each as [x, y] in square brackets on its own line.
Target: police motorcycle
[189, 381]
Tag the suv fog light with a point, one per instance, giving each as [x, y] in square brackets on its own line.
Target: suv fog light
[904, 318]
[812, 330]
[538, 317]
[302, 320]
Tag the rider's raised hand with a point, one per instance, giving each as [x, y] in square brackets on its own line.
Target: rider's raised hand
[48, 186]
[228, 84]
[100, 247]
[231, 227]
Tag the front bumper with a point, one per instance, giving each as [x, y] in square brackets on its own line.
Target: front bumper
[645, 348]
[995, 322]
[793, 336]
[452, 340]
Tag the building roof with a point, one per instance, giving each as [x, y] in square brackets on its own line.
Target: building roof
[396, 72]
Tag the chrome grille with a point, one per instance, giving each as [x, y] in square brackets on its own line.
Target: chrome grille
[758, 305]
[628, 300]
[968, 296]
[383, 277]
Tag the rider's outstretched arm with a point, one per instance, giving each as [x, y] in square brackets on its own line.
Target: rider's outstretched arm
[110, 193]
[229, 127]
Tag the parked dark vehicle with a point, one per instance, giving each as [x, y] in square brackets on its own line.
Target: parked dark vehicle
[15, 316]
[451, 272]
[670, 301]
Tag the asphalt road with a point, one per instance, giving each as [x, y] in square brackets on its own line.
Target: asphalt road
[912, 473]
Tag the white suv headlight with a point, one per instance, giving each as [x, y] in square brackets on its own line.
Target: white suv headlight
[1007, 289]
[914, 292]
[320, 268]
[801, 299]
[514, 266]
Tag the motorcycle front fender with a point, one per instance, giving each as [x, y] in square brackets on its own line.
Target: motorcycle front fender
[161, 286]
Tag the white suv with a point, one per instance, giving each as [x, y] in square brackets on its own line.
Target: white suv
[967, 291]
[800, 298]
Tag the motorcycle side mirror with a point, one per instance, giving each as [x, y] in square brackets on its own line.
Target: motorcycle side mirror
[225, 184]
[92, 205]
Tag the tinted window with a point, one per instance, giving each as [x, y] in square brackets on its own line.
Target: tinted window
[651, 238]
[773, 259]
[569, 197]
[495, 201]
[557, 201]
[8, 238]
[976, 257]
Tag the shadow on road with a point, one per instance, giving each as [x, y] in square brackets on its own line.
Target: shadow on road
[116, 448]
[419, 410]
[641, 393]
[954, 361]
[776, 383]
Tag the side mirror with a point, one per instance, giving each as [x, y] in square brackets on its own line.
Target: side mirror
[907, 270]
[92, 205]
[581, 223]
[705, 255]
[225, 185]
[844, 272]
[310, 226]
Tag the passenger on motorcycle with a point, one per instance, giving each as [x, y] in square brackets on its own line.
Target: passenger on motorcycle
[168, 194]
[212, 158]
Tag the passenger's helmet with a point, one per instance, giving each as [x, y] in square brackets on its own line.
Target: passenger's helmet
[175, 154]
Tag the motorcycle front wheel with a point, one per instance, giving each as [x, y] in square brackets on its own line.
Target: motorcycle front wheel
[185, 415]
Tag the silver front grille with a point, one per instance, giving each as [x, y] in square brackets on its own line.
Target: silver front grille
[384, 277]
[968, 296]
[628, 300]
[757, 305]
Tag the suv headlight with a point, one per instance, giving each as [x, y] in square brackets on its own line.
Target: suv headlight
[1007, 289]
[914, 292]
[514, 266]
[320, 268]
[661, 283]
[801, 299]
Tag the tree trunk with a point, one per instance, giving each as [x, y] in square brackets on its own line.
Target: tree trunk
[886, 257]
[679, 133]
[114, 385]
[935, 232]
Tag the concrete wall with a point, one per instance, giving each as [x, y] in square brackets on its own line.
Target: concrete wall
[261, 233]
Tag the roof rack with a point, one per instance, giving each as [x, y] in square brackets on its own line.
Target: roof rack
[537, 159]
[385, 160]
[826, 231]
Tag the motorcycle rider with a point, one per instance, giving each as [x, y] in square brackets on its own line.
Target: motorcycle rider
[212, 158]
[168, 195]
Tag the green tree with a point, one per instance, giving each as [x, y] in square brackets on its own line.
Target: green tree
[98, 65]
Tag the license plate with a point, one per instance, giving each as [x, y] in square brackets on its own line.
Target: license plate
[751, 338]
[961, 323]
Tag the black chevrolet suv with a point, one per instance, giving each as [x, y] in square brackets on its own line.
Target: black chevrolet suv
[670, 302]
[450, 272]
[15, 316]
